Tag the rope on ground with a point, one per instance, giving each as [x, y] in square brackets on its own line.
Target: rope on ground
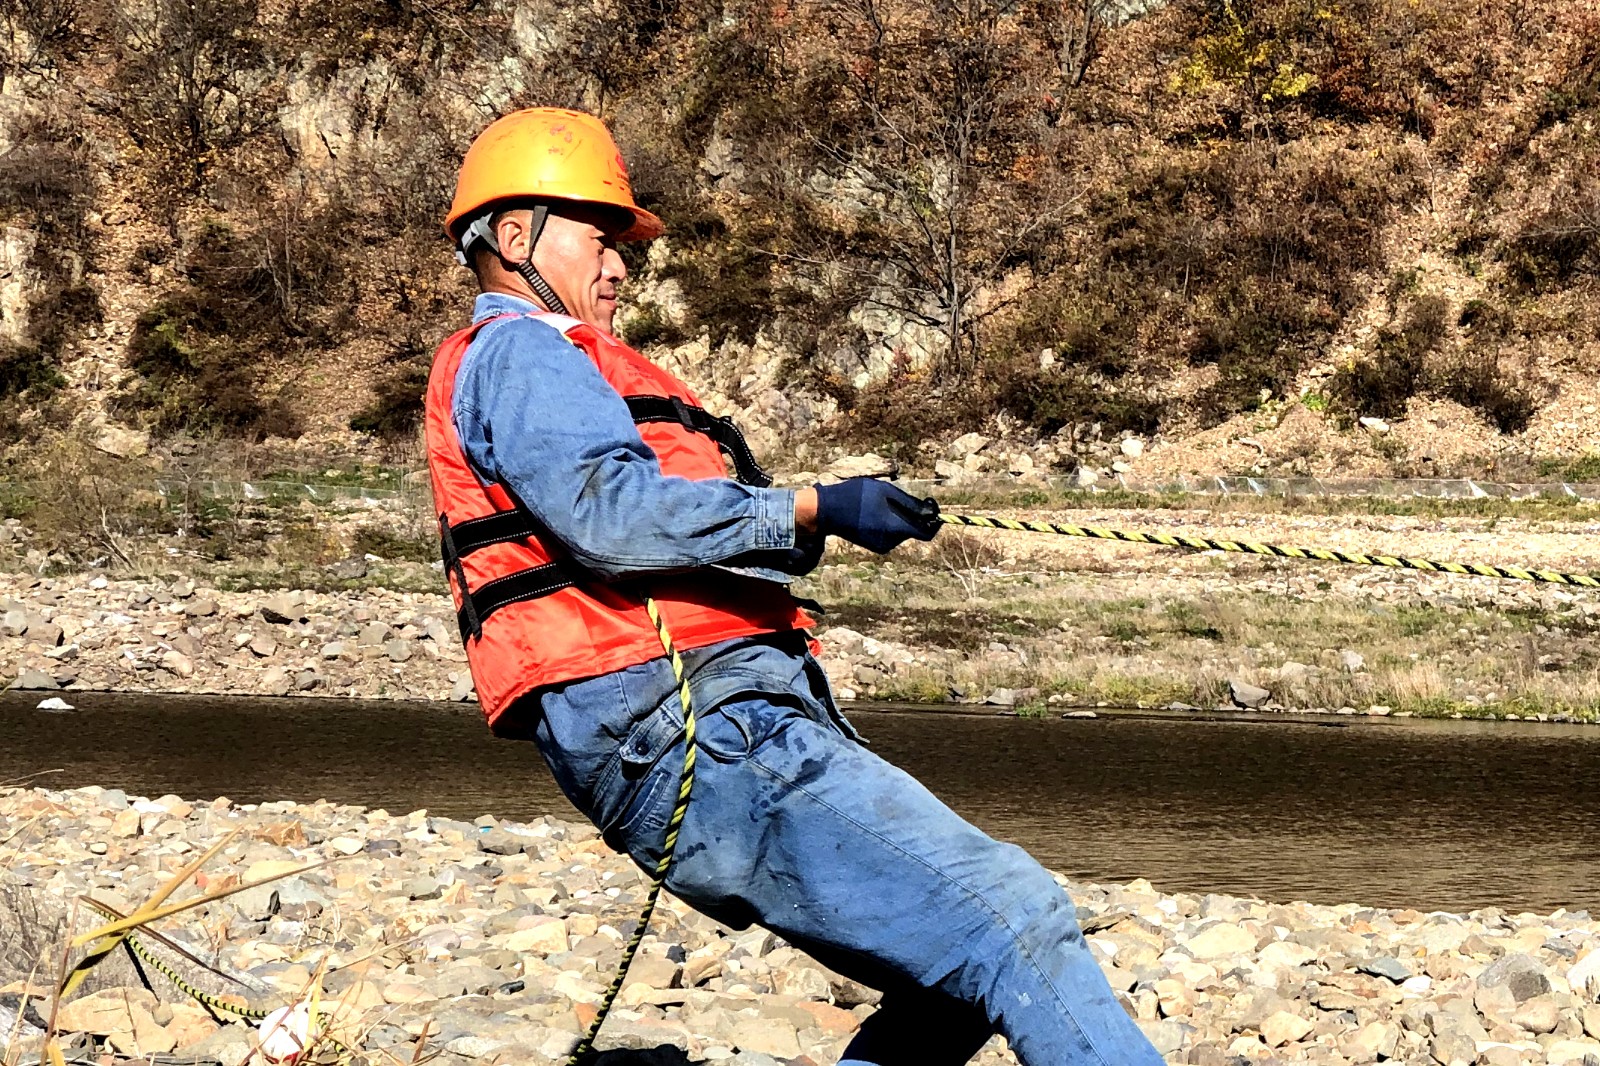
[161, 966]
[657, 880]
[214, 1003]
[1205, 544]
[659, 877]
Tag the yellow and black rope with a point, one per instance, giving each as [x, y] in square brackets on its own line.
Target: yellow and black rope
[165, 969]
[1174, 540]
[674, 823]
[657, 880]
[207, 999]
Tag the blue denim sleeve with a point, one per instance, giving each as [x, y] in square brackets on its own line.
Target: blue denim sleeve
[533, 413]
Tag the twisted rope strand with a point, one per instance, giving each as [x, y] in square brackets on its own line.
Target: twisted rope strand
[659, 877]
[1175, 540]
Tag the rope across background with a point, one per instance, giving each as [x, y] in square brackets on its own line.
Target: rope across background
[1280, 551]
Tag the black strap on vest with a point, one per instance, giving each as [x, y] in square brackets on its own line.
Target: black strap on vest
[527, 584]
[456, 542]
[459, 541]
[699, 420]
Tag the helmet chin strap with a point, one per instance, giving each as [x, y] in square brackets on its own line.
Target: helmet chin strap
[479, 231]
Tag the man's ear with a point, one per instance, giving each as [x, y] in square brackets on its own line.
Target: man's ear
[511, 233]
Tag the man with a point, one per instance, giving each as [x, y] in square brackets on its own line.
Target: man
[574, 479]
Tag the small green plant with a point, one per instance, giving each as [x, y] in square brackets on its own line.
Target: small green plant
[647, 324]
[1124, 630]
[389, 545]
[1586, 468]
[1314, 401]
[1188, 621]
[1389, 447]
[1403, 283]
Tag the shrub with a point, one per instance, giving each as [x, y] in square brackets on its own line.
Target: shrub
[1484, 319]
[728, 287]
[41, 34]
[190, 82]
[397, 404]
[27, 371]
[85, 504]
[904, 411]
[646, 325]
[1477, 380]
[1253, 356]
[1560, 242]
[393, 546]
[1382, 382]
[1357, 60]
[45, 182]
[193, 380]
[252, 295]
[1052, 398]
[45, 175]
[1239, 258]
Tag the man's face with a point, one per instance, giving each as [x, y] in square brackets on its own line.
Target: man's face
[578, 257]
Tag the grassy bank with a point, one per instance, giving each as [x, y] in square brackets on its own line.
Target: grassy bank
[1316, 637]
[1059, 621]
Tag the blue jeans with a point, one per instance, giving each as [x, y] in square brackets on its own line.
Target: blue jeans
[795, 825]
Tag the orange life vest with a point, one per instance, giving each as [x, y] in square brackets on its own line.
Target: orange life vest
[530, 616]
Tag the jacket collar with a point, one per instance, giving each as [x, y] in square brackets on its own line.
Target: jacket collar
[489, 304]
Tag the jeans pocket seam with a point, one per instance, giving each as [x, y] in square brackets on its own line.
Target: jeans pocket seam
[649, 801]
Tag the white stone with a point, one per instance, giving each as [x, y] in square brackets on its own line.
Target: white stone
[1284, 955]
[869, 465]
[1221, 939]
[1584, 976]
[122, 443]
[1573, 1052]
[966, 445]
[545, 937]
[1283, 1028]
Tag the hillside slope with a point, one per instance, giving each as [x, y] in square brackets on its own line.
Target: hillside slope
[889, 224]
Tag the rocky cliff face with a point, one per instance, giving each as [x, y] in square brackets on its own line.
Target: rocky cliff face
[890, 224]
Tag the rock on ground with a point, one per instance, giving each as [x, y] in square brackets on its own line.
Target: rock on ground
[492, 942]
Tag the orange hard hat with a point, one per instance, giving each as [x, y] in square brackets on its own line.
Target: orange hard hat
[546, 152]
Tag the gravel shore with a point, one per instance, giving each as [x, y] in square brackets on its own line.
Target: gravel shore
[490, 942]
[1006, 619]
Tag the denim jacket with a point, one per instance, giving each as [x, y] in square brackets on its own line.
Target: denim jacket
[533, 413]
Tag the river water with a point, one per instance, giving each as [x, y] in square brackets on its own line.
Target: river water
[1434, 815]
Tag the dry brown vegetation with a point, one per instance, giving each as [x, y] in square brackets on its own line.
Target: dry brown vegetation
[1188, 209]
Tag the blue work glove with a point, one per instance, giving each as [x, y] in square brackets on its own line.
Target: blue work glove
[874, 514]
